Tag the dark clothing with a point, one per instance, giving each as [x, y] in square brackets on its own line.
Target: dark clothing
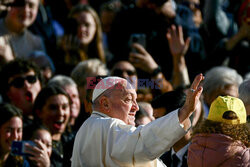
[16, 161]
[80, 119]
[170, 161]
[43, 26]
[237, 57]
[62, 151]
[27, 122]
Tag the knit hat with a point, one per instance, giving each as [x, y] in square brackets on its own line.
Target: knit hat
[109, 83]
[222, 104]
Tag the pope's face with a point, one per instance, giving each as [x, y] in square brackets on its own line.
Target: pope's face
[124, 105]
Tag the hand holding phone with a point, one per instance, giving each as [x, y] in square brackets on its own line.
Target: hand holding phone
[19, 148]
[137, 38]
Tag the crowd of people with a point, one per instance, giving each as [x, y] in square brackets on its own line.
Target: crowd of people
[125, 83]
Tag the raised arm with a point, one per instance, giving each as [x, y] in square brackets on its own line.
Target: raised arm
[192, 100]
[178, 48]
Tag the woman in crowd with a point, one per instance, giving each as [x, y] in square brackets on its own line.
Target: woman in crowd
[52, 110]
[69, 85]
[11, 129]
[83, 37]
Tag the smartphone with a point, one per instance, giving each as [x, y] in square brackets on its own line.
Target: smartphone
[18, 147]
[137, 38]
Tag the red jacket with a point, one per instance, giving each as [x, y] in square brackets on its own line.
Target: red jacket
[217, 150]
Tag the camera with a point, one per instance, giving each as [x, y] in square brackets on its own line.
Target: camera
[137, 38]
[18, 147]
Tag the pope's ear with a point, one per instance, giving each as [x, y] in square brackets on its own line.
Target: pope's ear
[104, 101]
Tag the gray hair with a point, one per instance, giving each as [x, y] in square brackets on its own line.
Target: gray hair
[88, 68]
[219, 77]
[244, 91]
[62, 81]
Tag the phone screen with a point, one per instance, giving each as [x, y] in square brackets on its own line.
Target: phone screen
[18, 147]
[137, 38]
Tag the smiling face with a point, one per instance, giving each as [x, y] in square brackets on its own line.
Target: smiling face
[23, 97]
[23, 16]
[123, 105]
[10, 131]
[86, 27]
[55, 114]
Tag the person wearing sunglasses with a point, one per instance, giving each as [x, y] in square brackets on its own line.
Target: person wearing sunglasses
[20, 83]
[125, 70]
[147, 65]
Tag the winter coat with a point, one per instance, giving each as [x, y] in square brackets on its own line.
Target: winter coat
[213, 150]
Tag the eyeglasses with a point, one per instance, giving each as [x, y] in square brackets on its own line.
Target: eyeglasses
[18, 82]
[119, 72]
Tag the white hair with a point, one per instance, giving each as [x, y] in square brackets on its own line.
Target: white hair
[219, 77]
[62, 81]
[88, 68]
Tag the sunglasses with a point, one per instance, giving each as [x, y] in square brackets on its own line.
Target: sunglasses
[119, 72]
[18, 82]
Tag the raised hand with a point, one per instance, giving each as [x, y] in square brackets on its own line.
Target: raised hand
[178, 47]
[192, 98]
[5, 52]
[142, 59]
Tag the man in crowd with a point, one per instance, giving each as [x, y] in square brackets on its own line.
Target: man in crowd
[109, 137]
[21, 81]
